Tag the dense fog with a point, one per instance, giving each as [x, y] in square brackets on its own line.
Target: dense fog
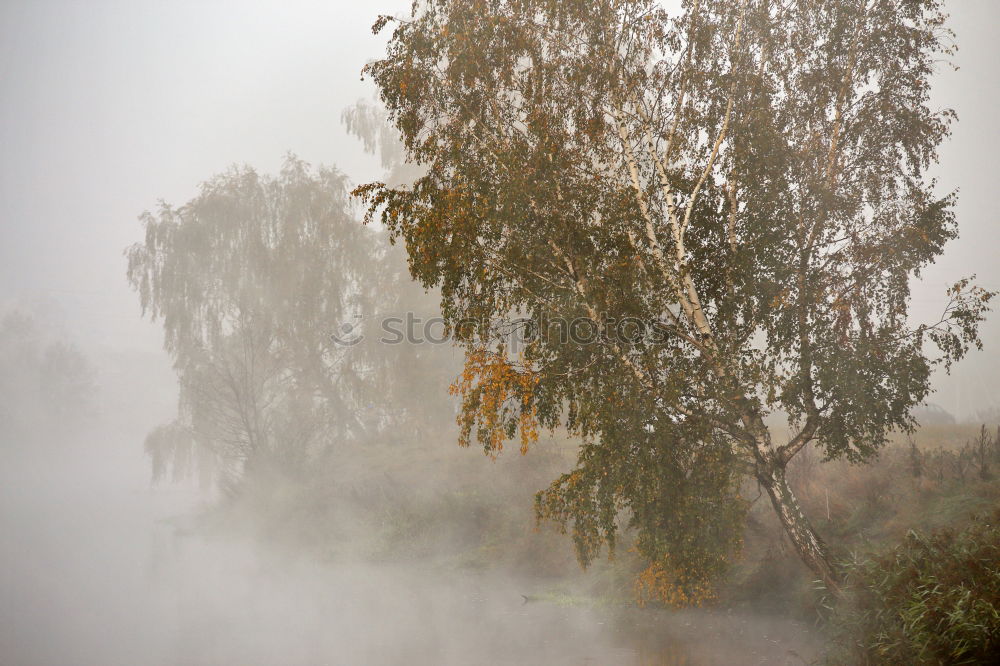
[345, 526]
[100, 566]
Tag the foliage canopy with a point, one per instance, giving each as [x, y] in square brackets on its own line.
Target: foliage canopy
[250, 279]
[747, 176]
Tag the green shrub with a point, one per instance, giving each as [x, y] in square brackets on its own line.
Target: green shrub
[933, 599]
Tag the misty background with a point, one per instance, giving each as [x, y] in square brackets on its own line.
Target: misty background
[107, 108]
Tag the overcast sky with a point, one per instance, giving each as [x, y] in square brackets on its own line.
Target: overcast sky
[106, 107]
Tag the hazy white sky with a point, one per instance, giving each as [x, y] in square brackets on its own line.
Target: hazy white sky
[106, 107]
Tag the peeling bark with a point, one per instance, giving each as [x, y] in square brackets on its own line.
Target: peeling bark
[800, 532]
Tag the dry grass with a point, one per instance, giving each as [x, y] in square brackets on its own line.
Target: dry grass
[938, 478]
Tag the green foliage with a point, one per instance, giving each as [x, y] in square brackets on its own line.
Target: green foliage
[745, 177]
[547, 129]
[683, 505]
[933, 599]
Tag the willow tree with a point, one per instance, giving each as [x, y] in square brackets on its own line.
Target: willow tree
[250, 279]
[746, 177]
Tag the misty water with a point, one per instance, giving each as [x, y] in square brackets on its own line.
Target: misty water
[100, 568]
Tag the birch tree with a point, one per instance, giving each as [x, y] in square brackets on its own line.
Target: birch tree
[746, 177]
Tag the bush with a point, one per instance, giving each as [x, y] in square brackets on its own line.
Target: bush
[933, 599]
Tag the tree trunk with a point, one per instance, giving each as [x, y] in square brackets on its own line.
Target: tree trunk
[807, 543]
